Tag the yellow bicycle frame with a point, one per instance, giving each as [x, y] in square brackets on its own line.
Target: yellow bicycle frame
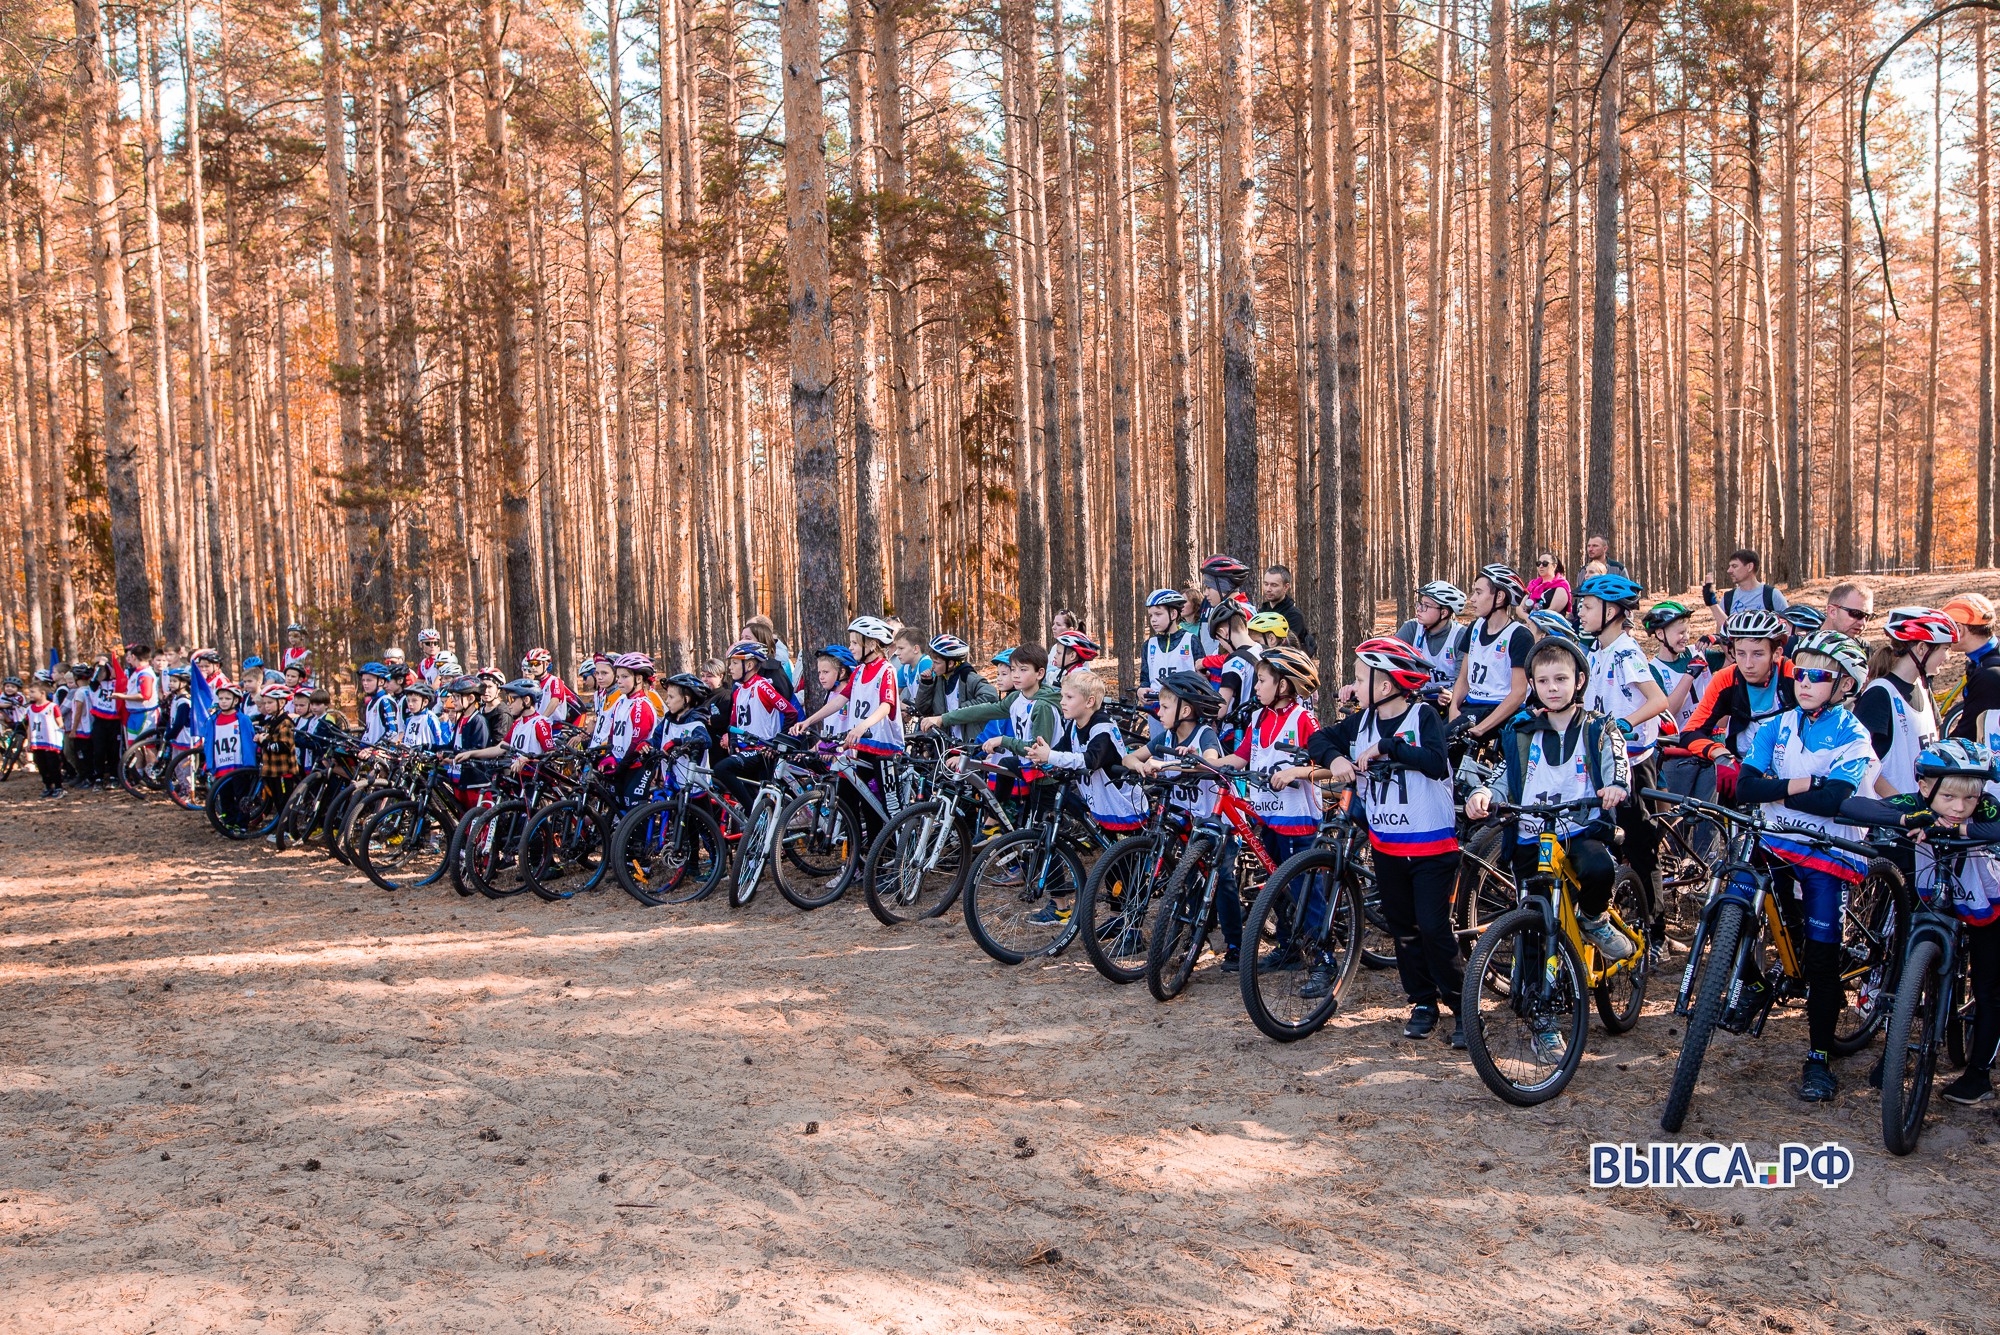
[1554, 861]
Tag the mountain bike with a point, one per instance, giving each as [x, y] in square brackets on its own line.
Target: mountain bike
[1309, 910]
[404, 844]
[917, 866]
[142, 765]
[1524, 1009]
[187, 780]
[305, 813]
[13, 746]
[1744, 958]
[761, 826]
[565, 844]
[1930, 1016]
[243, 804]
[1189, 911]
[485, 853]
[669, 848]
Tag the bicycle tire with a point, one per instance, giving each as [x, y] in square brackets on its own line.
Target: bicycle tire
[404, 830]
[491, 853]
[560, 841]
[1180, 928]
[455, 857]
[994, 911]
[1711, 992]
[1258, 972]
[239, 805]
[656, 865]
[135, 761]
[1909, 1057]
[752, 853]
[1871, 949]
[829, 837]
[1116, 905]
[1619, 1004]
[1516, 941]
[10, 756]
[886, 876]
[359, 811]
[296, 815]
[187, 781]
[1485, 891]
[331, 817]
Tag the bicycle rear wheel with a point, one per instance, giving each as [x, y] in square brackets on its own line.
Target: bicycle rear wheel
[1180, 928]
[1018, 901]
[1718, 970]
[562, 849]
[1871, 942]
[1526, 1016]
[403, 845]
[187, 781]
[819, 849]
[492, 851]
[135, 765]
[1621, 997]
[1909, 1061]
[239, 805]
[1309, 913]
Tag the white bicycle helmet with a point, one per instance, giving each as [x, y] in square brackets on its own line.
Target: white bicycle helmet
[1754, 623]
[1445, 594]
[872, 628]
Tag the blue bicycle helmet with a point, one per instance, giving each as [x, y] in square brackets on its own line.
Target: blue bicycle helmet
[1618, 590]
[1955, 756]
[1005, 656]
[1554, 624]
[1166, 598]
[842, 655]
[749, 649]
[369, 669]
[1804, 619]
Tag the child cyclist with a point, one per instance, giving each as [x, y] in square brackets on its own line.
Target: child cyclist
[684, 724]
[1170, 646]
[1801, 765]
[1492, 670]
[1566, 753]
[45, 735]
[1896, 706]
[1623, 687]
[951, 683]
[1087, 746]
[760, 711]
[1754, 685]
[1395, 746]
[1434, 632]
[835, 666]
[1288, 811]
[1189, 708]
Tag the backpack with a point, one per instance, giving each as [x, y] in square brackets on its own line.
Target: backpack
[1729, 600]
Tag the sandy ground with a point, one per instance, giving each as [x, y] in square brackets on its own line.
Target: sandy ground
[249, 1092]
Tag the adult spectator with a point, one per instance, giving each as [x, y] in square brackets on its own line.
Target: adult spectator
[1974, 614]
[1597, 547]
[1747, 589]
[1550, 589]
[1278, 598]
[1849, 609]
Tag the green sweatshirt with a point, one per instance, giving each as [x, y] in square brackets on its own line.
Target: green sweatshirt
[1042, 718]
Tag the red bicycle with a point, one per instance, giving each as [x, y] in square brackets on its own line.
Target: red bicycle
[1187, 917]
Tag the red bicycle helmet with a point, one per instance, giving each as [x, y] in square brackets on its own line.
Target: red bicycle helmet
[1403, 665]
[1921, 625]
[1081, 647]
[1225, 569]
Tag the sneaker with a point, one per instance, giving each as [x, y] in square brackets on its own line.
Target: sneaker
[1281, 959]
[1048, 915]
[1458, 1033]
[1971, 1087]
[1319, 982]
[1656, 952]
[1423, 1019]
[1875, 1075]
[60, 792]
[1550, 1048]
[271, 839]
[1817, 1083]
[1231, 963]
[1611, 943]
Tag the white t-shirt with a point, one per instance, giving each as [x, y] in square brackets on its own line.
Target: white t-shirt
[1618, 672]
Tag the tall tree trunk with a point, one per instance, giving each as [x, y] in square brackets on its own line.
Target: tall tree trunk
[403, 356]
[913, 527]
[1500, 292]
[809, 314]
[1983, 544]
[1437, 282]
[1843, 480]
[27, 429]
[1183, 556]
[173, 617]
[1329, 595]
[220, 626]
[346, 371]
[1358, 601]
[1602, 505]
[1531, 421]
[1123, 595]
[1927, 457]
[1031, 529]
[512, 464]
[1397, 402]
[629, 602]
[97, 99]
[1239, 285]
[1789, 564]
[861, 182]
[1073, 569]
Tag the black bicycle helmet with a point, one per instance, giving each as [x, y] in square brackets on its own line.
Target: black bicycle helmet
[695, 687]
[1194, 690]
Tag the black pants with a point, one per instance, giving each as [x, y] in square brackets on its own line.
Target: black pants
[1642, 842]
[1588, 858]
[49, 764]
[739, 775]
[1416, 895]
[107, 741]
[1983, 955]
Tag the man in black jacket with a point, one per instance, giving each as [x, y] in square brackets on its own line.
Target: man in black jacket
[1278, 598]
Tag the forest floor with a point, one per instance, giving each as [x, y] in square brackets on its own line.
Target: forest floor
[242, 1091]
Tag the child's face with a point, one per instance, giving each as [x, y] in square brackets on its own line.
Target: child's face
[319, 707]
[1159, 620]
[1953, 803]
[738, 668]
[1430, 615]
[1590, 615]
[1171, 710]
[677, 699]
[1753, 660]
[627, 680]
[1026, 676]
[1076, 706]
[856, 645]
[515, 705]
[1483, 597]
[1816, 694]
[1378, 687]
[1674, 636]
[1267, 687]
[829, 674]
[370, 683]
[268, 704]
[906, 653]
[225, 702]
[1555, 683]
[35, 694]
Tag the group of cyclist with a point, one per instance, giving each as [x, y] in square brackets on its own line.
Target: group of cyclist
[1780, 708]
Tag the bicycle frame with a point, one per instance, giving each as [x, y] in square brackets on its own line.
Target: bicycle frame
[1553, 868]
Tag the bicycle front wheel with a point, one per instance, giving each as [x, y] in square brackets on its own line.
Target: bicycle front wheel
[1019, 898]
[916, 868]
[1718, 970]
[1117, 903]
[753, 850]
[562, 850]
[1311, 917]
[239, 805]
[659, 859]
[492, 851]
[819, 849]
[187, 781]
[1872, 929]
[1180, 928]
[403, 845]
[1525, 1012]
[135, 766]
[1909, 1062]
